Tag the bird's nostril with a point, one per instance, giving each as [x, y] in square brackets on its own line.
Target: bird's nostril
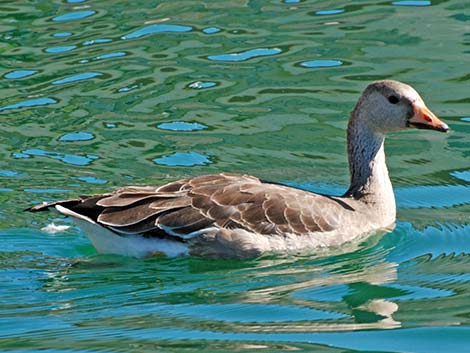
[427, 118]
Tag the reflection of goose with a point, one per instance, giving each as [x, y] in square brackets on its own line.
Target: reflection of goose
[384, 308]
[230, 215]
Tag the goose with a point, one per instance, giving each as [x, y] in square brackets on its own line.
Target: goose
[240, 216]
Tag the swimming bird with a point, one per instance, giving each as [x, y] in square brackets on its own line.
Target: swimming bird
[240, 216]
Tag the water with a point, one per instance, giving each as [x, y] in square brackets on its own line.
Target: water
[99, 94]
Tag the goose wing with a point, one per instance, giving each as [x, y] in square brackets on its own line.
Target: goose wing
[187, 207]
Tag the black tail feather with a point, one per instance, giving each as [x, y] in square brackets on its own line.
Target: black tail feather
[45, 206]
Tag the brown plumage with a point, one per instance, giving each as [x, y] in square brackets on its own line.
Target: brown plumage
[231, 215]
[189, 205]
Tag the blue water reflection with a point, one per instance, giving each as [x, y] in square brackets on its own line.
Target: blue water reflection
[463, 175]
[181, 126]
[246, 55]
[243, 312]
[20, 74]
[64, 157]
[183, 159]
[321, 63]
[77, 136]
[11, 173]
[92, 180]
[437, 196]
[46, 191]
[127, 89]
[77, 77]
[110, 55]
[96, 41]
[416, 292]
[202, 84]
[333, 293]
[71, 16]
[62, 34]
[158, 28]
[60, 49]
[211, 30]
[30, 103]
[412, 3]
[328, 12]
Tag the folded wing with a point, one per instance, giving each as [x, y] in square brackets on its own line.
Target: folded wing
[188, 207]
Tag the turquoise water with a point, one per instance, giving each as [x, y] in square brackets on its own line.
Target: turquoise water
[99, 94]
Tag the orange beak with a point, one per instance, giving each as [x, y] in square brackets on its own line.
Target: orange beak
[423, 118]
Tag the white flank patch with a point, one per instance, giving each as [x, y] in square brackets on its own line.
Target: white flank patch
[107, 242]
[54, 228]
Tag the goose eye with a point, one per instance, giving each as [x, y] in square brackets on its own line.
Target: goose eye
[393, 99]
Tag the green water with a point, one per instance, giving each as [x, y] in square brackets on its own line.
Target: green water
[98, 94]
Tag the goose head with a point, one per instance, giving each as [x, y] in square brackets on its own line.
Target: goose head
[388, 105]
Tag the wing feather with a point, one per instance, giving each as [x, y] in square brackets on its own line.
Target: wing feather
[224, 200]
[179, 218]
[126, 216]
[293, 218]
[124, 199]
[274, 210]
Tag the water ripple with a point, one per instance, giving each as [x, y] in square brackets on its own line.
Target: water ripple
[417, 340]
[62, 34]
[246, 55]
[117, 54]
[433, 196]
[77, 77]
[211, 30]
[30, 103]
[328, 12]
[202, 84]
[66, 158]
[412, 3]
[77, 136]
[20, 74]
[246, 313]
[159, 28]
[183, 159]
[463, 175]
[11, 173]
[127, 89]
[181, 126]
[321, 63]
[431, 241]
[331, 293]
[436, 196]
[96, 41]
[71, 16]
[46, 191]
[92, 180]
[60, 49]
[417, 292]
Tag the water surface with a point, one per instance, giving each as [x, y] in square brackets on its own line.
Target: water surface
[100, 94]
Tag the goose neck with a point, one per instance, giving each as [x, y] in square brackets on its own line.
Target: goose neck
[369, 175]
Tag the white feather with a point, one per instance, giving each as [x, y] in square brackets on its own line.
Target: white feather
[108, 242]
